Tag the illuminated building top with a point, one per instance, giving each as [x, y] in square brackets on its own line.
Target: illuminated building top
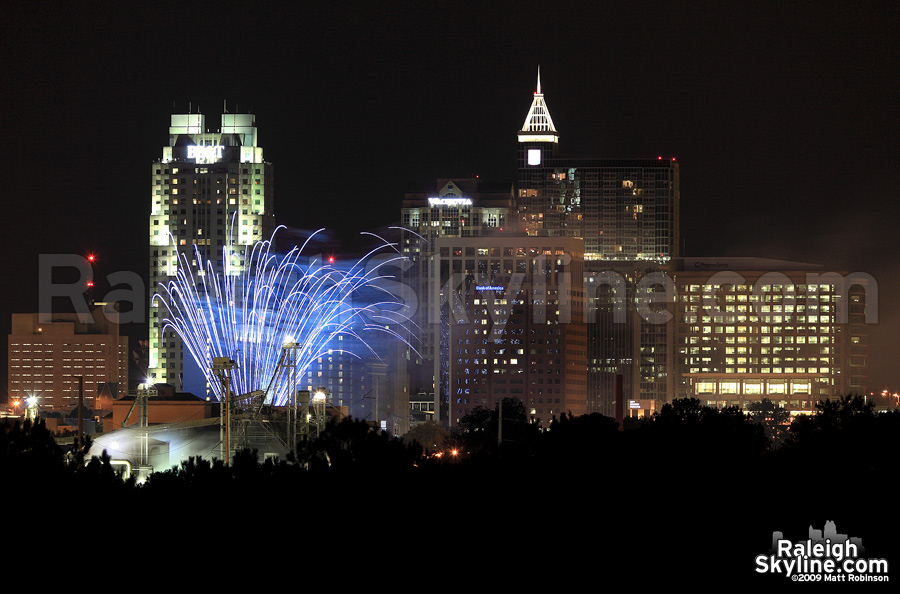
[460, 207]
[190, 141]
[538, 125]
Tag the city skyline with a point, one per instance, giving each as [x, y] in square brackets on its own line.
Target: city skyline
[781, 119]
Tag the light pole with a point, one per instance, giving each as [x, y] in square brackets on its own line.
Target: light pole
[222, 367]
[290, 345]
[31, 408]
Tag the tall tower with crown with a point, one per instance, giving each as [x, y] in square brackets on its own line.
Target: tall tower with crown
[538, 146]
[626, 211]
[538, 138]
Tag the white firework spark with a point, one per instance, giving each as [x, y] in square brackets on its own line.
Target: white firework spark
[277, 299]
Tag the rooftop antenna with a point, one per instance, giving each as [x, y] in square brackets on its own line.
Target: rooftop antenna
[224, 106]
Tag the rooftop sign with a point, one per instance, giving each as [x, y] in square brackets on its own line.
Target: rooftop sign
[450, 201]
[205, 154]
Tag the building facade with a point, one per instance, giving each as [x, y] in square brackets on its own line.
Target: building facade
[211, 191]
[509, 312]
[458, 207]
[46, 359]
[750, 328]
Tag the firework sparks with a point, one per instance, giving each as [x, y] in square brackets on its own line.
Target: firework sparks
[278, 299]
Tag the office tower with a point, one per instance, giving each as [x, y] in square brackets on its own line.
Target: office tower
[752, 328]
[625, 209]
[46, 359]
[212, 194]
[627, 212]
[510, 313]
[459, 207]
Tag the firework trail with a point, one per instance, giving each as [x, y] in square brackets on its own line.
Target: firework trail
[278, 299]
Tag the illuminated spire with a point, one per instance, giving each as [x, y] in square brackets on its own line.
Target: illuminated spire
[538, 124]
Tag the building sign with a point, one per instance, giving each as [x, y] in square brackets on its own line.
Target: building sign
[634, 404]
[205, 154]
[450, 201]
[488, 288]
[534, 156]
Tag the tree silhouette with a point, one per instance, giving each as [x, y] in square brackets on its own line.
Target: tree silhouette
[478, 431]
[431, 436]
[353, 444]
[845, 432]
[772, 418]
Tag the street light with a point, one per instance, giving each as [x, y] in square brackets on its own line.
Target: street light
[31, 407]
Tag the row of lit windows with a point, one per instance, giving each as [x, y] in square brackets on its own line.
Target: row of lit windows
[180, 180]
[204, 170]
[764, 370]
[752, 350]
[39, 344]
[777, 288]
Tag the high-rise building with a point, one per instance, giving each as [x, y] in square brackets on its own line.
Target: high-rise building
[624, 209]
[751, 328]
[459, 207]
[47, 359]
[627, 212]
[212, 192]
[510, 315]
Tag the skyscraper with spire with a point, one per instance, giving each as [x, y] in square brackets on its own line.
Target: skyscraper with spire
[626, 210]
[538, 138]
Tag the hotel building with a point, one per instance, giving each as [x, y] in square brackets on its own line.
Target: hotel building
[510, 311]
[458, 207]
[46, 359]
[211, 191]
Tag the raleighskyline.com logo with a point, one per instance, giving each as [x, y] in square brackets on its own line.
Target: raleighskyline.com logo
[825, 556]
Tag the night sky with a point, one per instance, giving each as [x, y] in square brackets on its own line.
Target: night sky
[784, 117]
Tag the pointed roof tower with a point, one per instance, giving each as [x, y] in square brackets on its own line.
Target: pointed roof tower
[538, 125]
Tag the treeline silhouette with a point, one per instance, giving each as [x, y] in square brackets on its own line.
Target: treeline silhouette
[683, 450]
[683, 440]
[673, 487]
